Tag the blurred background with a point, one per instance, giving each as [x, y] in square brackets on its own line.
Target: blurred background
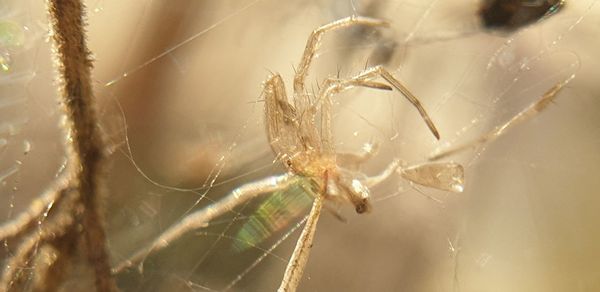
[179, 90]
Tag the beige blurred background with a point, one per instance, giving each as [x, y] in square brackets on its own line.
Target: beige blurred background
[182, 79]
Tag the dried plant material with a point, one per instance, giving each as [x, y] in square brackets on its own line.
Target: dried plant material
[60, 225]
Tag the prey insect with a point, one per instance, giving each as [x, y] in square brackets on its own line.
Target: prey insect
[301, 136]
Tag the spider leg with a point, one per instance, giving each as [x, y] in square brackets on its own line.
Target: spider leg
[202, 217]
[313, 44]
[333, 86]
[385, 74]
[385, 174]
[445, 176]
[532, 110]
[353, 161]
[297, 263]
[364, 79]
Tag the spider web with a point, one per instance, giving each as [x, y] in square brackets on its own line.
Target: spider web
[179, 84]
[31, 143]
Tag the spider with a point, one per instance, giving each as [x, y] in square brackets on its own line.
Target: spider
[300, 135]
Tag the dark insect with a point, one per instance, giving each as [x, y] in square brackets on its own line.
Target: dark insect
[510, 15]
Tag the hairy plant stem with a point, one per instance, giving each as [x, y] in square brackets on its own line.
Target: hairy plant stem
[85, 145]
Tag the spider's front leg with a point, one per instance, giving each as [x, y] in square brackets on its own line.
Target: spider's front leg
[385, 74]
[330, 87]
[295, 268]
[313, 44]
[333, 86]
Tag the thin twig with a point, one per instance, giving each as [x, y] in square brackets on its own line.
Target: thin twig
[45, 258]
[60, 245]
[28, 219]
[12, 272]
[50, 276]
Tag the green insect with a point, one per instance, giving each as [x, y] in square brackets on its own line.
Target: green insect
[276, 213]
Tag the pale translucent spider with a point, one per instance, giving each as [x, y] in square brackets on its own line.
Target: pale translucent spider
[308, 150]
[300, 135]
[303, 140]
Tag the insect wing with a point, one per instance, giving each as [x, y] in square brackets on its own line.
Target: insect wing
[446, 176]
[275, 214]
